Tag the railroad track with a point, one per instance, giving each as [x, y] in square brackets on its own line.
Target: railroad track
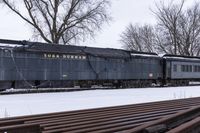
[176, 116]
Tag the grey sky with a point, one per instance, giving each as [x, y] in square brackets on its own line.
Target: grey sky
[123, 12]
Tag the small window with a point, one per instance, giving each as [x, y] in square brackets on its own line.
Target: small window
[187, 68]
[195, 68]
[182, 68]
[190, 68]
[175, 68]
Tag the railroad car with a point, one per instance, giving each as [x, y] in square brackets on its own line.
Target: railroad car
[26, 64]
[180, 70]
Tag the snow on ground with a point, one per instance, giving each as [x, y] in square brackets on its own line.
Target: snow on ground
[27, 104]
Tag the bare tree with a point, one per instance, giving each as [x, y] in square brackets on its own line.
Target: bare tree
[178, 30]
[168, 16]
[62, 21]
[139, 38]
[162, 42]
[189, 31]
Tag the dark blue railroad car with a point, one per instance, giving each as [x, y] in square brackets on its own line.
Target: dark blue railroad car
[179, 70]
[31, 64]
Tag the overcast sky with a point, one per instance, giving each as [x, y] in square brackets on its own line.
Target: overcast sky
[123, 12]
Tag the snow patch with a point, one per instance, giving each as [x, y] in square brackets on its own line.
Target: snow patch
[27, 104]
